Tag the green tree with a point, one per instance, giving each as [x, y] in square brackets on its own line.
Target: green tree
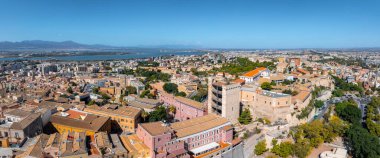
[95, 90]
[290, 92]
[373, 127]
[245, 117]
[287, 82]
[274, 141]
[172, 109]
[158, 114]
[316, 132]
[337, 126]
[301, 149]
[130, 90]
[337, 92]
[266, 86]
[144, 115]
[348, 111]
[242, 65]
[182, 94]
[261, 147]
[361, 143]
[92, 102]
[318, 103]
[144, 93]
[69, 90]
[284, 149]
[105, 96]
[171, 88]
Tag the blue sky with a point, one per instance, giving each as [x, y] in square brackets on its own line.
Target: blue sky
[207, 23]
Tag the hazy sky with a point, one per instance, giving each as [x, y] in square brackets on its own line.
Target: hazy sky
[208, 23]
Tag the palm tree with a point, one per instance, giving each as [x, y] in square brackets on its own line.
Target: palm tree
[144, 115]
[172, 109]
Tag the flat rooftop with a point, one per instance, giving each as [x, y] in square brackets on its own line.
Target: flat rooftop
[273, 94]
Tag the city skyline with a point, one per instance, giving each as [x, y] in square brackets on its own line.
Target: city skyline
[205, 24]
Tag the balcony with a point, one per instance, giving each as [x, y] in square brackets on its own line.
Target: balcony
[216, 106]
[216, 91]
[216, 99]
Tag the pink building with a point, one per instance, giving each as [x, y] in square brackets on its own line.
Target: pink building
[194, 137]
[185, 108]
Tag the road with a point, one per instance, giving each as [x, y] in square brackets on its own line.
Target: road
[249, 145]
[360, 101]
[325, 107]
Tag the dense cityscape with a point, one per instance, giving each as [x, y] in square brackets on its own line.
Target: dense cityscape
[276, 103]
[189, 79]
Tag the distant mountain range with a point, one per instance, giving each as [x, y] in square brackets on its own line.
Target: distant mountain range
[40, 45]
[49, 45]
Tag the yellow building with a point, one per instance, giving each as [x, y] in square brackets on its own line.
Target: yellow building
[79, 121]
[135, 146]
[4, 142]
[281, 59]
[125, 117]
[107, 90]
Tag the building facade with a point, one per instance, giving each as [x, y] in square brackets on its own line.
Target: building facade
[125, 117]
[224, 99]
[199, 136]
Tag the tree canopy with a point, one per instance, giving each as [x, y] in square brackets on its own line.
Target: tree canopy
[261, 147]
[181, 94]
[171, 88]
[242, 65]
[158, 115]
[348, 111]
[266, 86]
[245, 117]
[318, 103]
[130, 90]
[362, 143]
[284, 149]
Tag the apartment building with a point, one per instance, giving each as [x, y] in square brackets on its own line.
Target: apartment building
[224, 99]
[79, 121]
[185, 108]
[64, 145]
[17, 126]
[125, 117]
[194, 137]
[135, 146]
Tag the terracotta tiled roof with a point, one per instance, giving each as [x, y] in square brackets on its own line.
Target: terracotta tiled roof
[155, 128]
[90, 122]
[197, 125]
[188, 127]
[254, 72]
[190, 102]
[240, 81]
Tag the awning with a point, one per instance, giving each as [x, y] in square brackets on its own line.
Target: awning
[206, 147]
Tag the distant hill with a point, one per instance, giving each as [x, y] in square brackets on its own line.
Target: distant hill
[49, 45]
[40, 45]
